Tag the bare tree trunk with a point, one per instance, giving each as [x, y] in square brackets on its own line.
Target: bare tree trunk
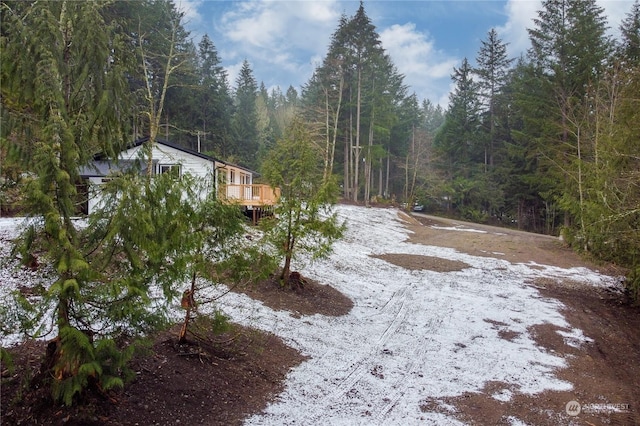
[154, 113]
[386, 185]
[380, 179]
[331, 145]
[357, 156]
[368, 165]
[347, 161]
[327, 147]
[188, 303]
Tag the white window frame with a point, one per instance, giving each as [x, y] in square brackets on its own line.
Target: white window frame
[164, 168]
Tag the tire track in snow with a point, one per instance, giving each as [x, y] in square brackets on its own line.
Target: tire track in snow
[417, 357]
[396, 306]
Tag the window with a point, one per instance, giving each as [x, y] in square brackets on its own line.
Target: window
[232, 176]
[170, 168]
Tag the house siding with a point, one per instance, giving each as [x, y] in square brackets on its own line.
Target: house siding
[200, 166]
[166, 155]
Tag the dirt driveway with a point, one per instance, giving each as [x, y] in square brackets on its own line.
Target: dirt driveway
[605, 372]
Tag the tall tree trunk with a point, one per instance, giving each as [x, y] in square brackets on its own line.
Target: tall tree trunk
[368, 164]
[330, 151]
[347, 161]
[380, 178]
[357, 156]
[386, 185]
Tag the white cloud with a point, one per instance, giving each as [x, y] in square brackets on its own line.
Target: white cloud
[273, 30]
[190, 9]
[233, 71]
[424, 67]
[520, 15]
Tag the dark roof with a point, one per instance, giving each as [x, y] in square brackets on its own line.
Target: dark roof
[92, 170]
[178, 147]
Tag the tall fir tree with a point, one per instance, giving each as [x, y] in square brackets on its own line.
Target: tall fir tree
[492, 70]
[458, 138]
[363, 48]
[459, 143]
[353, 96]
[245, 119]
[214, 101]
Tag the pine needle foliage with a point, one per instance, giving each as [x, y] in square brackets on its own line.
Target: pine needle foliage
[304, 223]
[63, 99]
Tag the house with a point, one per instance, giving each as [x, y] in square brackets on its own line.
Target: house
[232, 183]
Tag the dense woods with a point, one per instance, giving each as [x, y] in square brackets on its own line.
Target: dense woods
[547, 142]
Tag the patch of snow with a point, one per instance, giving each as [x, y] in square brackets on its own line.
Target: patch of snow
[457, 228]
[504, 395]
[574, 338]
[514, 421]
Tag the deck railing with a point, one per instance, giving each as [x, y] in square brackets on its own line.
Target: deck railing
[249, 195]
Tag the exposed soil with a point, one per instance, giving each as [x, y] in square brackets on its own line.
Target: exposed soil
[605, 373]
[225, 378]
[303, 298]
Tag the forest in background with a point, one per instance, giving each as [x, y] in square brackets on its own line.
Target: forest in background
[547, 142]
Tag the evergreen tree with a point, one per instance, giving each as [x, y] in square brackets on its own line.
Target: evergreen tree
[282, 110]
[324, 97]
[265, 131]
[630, 29]
[569, 48]
[352, 97]
[493, 66]
[531, 191]
[214, 102]
[63, 68]
[363, 49]
[245, 119]
[303, 222]
[458, 138]
[459, 143]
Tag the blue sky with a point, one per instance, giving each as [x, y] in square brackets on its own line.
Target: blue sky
[284, 40]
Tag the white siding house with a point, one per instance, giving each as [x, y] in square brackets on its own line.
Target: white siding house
[230, 181]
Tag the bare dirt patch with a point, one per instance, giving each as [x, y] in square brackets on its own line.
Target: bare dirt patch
[307, 299]
[605, 372]
[417, 262]
[214, 380]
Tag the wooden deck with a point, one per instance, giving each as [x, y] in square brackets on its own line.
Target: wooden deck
[249, 195]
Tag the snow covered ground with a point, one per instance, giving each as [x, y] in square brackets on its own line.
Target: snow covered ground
[411, 336]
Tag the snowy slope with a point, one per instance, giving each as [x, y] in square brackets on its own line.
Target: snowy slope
[412, 335]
